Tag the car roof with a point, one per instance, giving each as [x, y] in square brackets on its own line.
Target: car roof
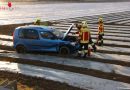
[37, 27]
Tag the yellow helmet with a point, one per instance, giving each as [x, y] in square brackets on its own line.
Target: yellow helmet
[84, 24]
[100, 20]
[37, 22]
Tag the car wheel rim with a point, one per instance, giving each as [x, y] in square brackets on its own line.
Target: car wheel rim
[64, 51]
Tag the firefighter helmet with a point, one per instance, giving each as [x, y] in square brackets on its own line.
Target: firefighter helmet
[37, 22]
[84, 24]
[100, 20]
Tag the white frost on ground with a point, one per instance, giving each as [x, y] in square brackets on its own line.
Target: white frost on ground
[114, 34]
[74, 79]
[115, 42]
[117, 57]
[6, 43]
[118, 20]
[94, 25]
[9, 66]
[127, 23]
[104, 67]
[113, 37]
[106, 18]
[3, 51]
[92, 28]
[114, 49]
[122, 22]
[6, 37]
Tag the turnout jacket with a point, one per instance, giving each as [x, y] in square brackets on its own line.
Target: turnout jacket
[100, 29]
[84, 35]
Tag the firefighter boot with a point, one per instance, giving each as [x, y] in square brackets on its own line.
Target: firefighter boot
[89, 51]
[102, 42]
[94, 47]
[85, 55]
[99, 43]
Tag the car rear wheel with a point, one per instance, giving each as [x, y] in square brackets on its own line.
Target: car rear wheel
[64, 50]
[21, 49]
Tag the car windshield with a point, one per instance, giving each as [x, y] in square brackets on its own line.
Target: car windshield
[58, 33]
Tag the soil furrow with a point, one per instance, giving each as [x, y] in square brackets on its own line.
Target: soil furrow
[91, 72]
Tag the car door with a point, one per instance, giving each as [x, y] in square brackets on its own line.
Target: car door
[49, 41]
[30, 38]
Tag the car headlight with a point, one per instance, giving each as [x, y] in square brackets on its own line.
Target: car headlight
[73, 43]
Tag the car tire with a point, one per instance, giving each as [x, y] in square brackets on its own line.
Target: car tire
[64, 50]
[21, 49]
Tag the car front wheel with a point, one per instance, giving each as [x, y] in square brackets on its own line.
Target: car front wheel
[64, 50]
[21, 49]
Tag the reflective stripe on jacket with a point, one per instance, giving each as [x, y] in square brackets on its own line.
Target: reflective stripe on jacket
[101, 29]
[85, 35]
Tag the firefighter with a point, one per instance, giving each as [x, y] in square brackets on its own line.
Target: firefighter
[37, 22]
[84, 36]
[79, 38]
[100, 32]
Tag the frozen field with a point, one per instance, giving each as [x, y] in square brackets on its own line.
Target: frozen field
[111, 63]
[74, 79]
[27, 13]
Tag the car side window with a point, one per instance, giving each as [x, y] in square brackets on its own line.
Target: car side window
[21, 35]
[28, 34]
[46, 35]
